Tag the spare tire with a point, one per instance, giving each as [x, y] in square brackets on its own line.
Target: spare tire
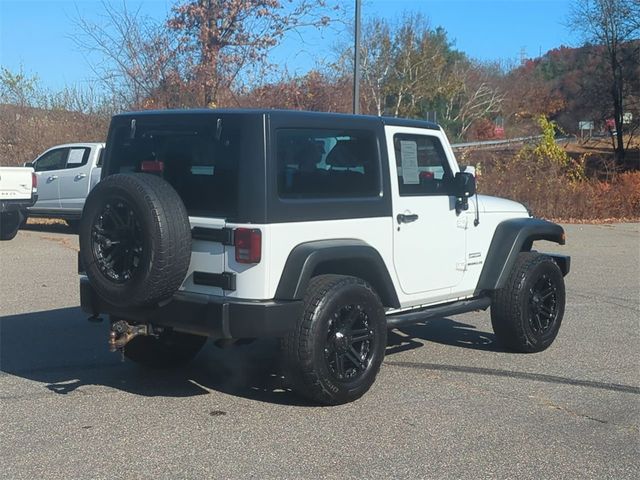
[135, 239]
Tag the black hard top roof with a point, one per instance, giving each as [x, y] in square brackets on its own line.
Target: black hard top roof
[289, 114]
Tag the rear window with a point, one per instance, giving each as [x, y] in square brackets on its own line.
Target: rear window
[324, 163]
[199, 158]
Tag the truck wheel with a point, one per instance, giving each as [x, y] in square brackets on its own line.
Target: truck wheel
[526, 314]
[9, 224]
[336, 350]
[135, 239]
[169, 349]
[73, 223]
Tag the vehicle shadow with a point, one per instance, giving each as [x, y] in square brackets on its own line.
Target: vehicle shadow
[63, 351]
[444, 331]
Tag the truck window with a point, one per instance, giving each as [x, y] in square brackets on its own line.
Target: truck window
[52, 160]
[319, 163]
[100, 157]
[422, 165]
[78, 156]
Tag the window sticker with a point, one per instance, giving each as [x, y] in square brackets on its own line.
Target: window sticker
[202, 170]
[75, 156]
[409, 162]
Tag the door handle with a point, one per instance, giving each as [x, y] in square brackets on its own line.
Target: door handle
[52, 178]
[80, 176]
[407, 218]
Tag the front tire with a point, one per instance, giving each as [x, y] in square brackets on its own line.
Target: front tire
[167, 350]
[338, 345]
[526, 314]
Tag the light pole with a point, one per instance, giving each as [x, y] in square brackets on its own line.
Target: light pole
[356, 62]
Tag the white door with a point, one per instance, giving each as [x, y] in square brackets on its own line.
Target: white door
[429, 236]
[48, 167]
[74, 179]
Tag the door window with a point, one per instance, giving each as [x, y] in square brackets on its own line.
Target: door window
[53, 160]
[422, 165]
[78, 156]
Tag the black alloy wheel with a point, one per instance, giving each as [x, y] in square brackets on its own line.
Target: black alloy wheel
[117, 242]
[350, 337]
[543, 305]
[135, 240]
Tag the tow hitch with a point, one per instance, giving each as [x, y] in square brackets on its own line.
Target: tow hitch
[122, 333]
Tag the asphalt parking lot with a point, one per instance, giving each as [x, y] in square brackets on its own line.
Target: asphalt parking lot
[448, 403]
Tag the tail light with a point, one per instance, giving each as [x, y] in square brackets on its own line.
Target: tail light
[34, 182]
[248, 243]
[152, 166]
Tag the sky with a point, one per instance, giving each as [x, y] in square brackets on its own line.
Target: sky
[38, 35]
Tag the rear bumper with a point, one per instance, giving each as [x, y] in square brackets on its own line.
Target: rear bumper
[13, 205]
[212, 316]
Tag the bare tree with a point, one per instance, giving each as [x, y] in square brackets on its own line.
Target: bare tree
[611, 24]
[476, 96]
[377, 63]
[132, 56]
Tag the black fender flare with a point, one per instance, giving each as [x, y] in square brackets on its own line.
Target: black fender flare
[509, 239]
[344, 257]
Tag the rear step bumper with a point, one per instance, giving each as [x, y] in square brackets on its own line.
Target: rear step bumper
[207, 315]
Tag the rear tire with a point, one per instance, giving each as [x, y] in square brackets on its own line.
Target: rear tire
[170, 349]
[526, 314]
[10, 224]
[338, 345]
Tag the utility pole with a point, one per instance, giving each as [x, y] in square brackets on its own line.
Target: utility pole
[356, 61]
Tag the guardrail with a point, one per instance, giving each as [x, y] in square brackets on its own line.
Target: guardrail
[493, 143]
[508, 141]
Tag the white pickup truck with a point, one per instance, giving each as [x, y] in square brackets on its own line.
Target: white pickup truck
[18, 191]
[66, 174]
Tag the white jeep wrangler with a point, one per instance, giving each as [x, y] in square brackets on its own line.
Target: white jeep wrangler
[322, 229]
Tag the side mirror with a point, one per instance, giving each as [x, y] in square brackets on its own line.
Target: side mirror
[469, 169]
[29, 164]
[464, 186]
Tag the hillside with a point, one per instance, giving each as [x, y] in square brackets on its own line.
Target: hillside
[25, 132]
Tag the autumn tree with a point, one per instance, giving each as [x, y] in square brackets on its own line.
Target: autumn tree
[528, 95]
[612, 24]
[315, 91]
[219, 39]
[201, 50]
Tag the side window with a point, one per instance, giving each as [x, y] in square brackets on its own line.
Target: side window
[324, 163]
[78, 156]
[100, 157]
[53, 160]
[422, 165]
